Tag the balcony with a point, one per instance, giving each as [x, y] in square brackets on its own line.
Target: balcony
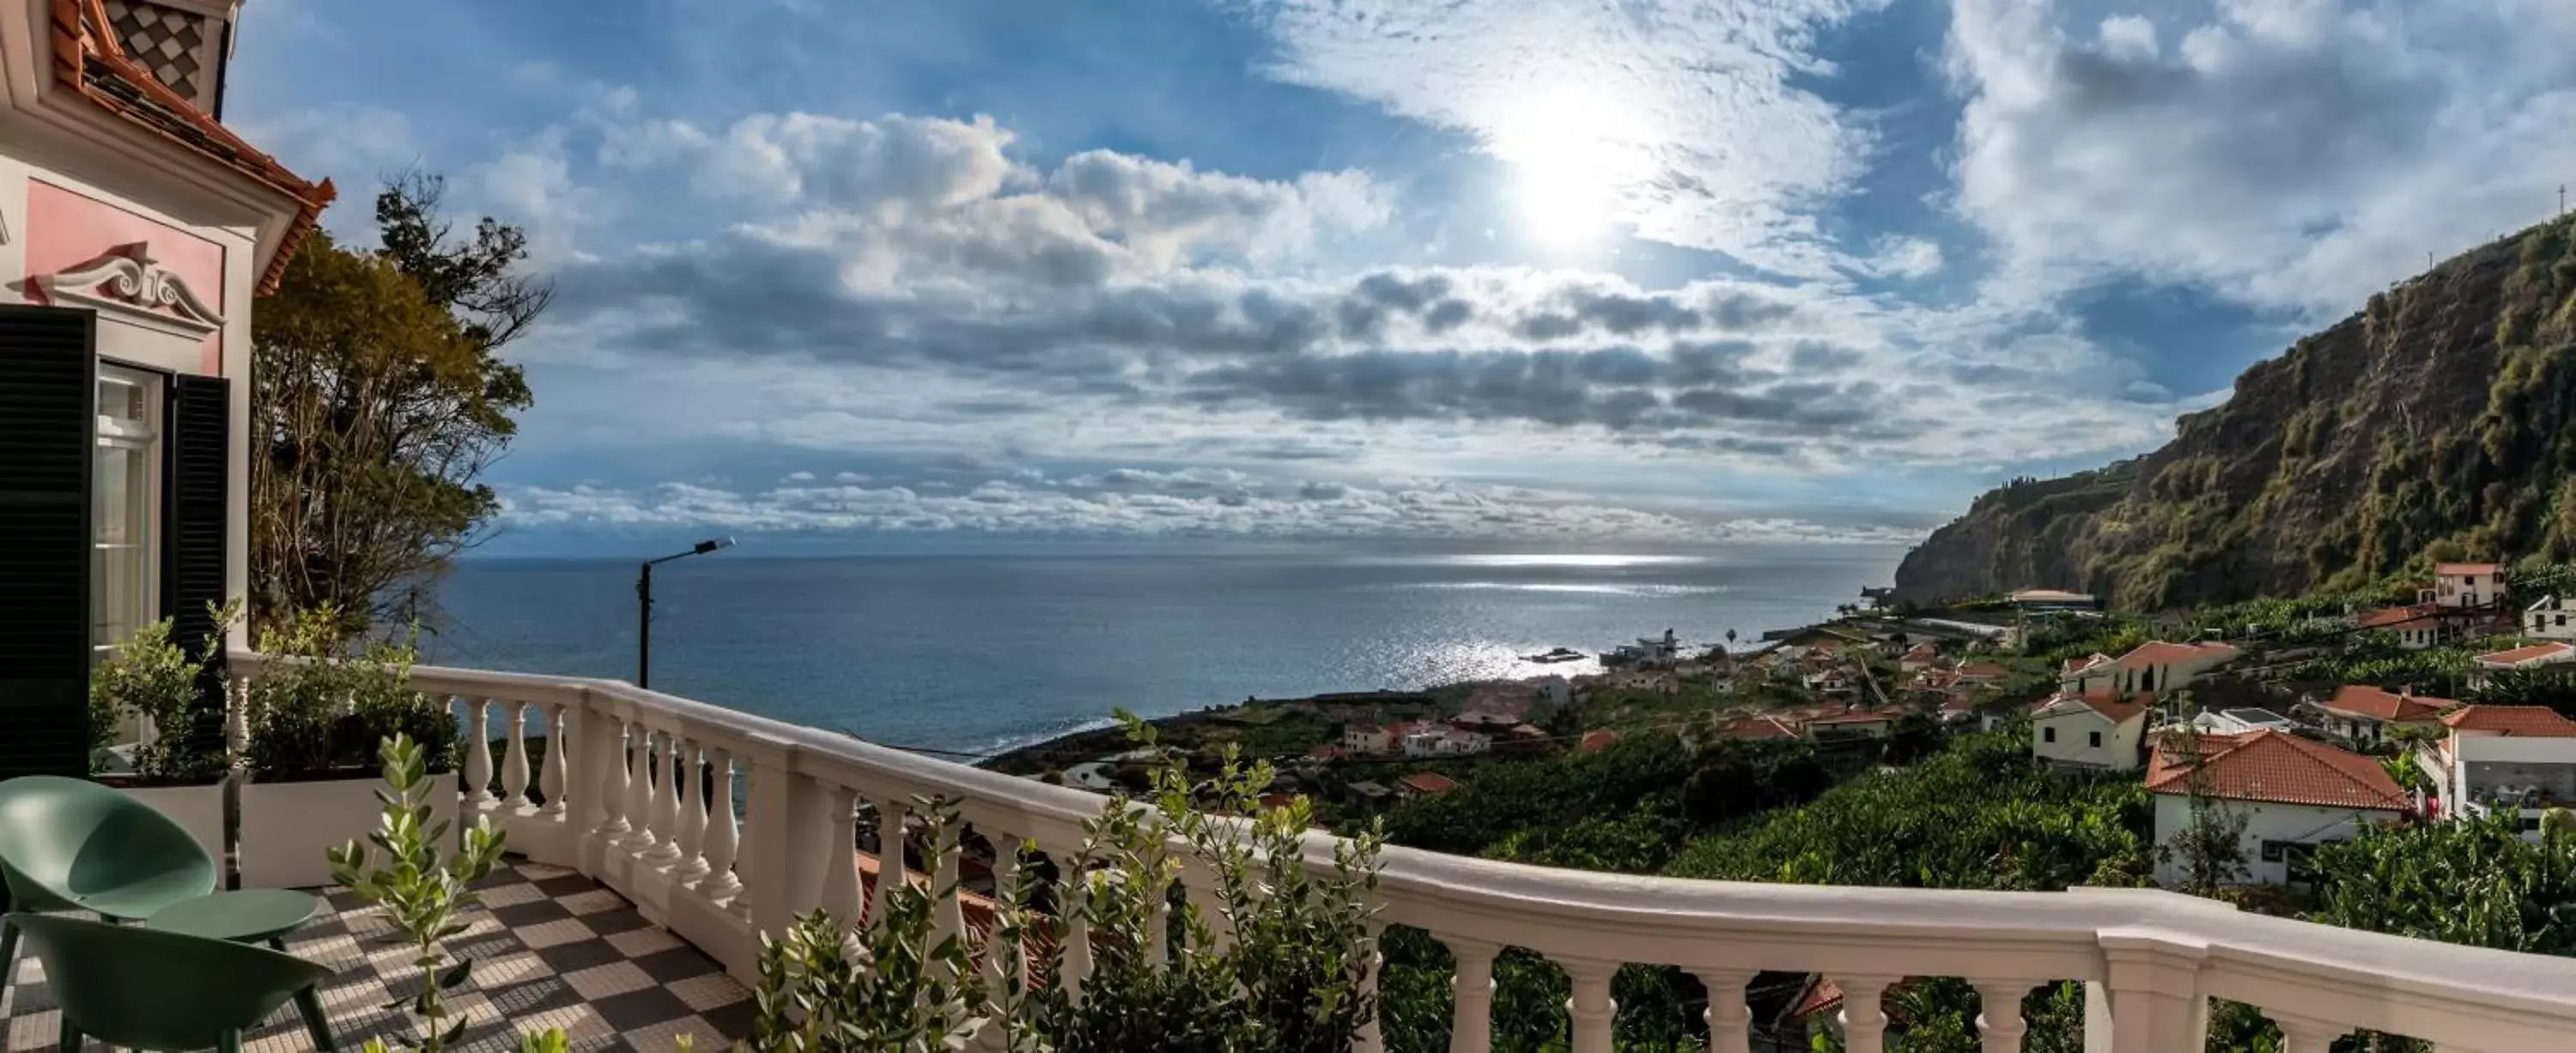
[713, 875]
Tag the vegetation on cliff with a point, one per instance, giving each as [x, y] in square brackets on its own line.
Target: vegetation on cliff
[2431, 425]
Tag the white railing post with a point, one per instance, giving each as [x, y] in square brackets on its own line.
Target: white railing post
[478, 753]
[693, 812]
[891, 872]
[1471, 988]
[843, 892]
[1730, 1023]
[603, 804]
[1371, 1037]
[1864, 1017]
[2303, 1035]
[1999, 1019]
[553, 779]
[639, 786]
[947, 915]
[666, 796]
[724, 832]
[2152, 988]
[1590, 1010]
[1074, 897]
[1006, 869]
[514, 767]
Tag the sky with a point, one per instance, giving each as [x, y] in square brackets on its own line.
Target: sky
[1500, 272]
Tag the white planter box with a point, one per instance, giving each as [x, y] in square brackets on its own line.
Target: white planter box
[199, 810]
[286, 827]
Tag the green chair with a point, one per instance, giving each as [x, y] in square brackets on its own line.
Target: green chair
[72, 844]
[146, 989]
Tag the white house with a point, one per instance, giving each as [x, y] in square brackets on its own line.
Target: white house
[1853, 725]
[2151, 667]
[2416, 627]
[2364, 713]
[2539, 656]
[1367, 738]
[2523, 757]
[2294, 793]
[1554, 690]
[135, 231]
[1441, 740]
[2463, 585]
[2546, 618]
[2096, 729]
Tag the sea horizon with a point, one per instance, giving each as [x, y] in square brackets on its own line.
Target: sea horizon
[981, 652]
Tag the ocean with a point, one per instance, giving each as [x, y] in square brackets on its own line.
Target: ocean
[982, 653]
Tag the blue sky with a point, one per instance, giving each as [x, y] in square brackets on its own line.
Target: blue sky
[1492, 271]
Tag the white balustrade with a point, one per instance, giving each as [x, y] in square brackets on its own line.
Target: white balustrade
[2150, 961]
[890, 857]
[514, 766]
[1076, 966]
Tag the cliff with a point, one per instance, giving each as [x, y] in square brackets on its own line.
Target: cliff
[2429, 426]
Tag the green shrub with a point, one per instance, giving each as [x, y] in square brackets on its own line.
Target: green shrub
[325, 705]
[149, 675]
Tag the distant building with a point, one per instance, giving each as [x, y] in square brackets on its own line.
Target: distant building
[2364, 713]
[1855, 725]
[2546, 618]
[2097, 729]
[1367, 738]
[2035, 600]
[1442, 740]
[2417, 627]
[2462, 585]
[2150, 667]
[2553, 656]
[2295, 794]
[1917, 658]
[2519, 757]
[1425, 784]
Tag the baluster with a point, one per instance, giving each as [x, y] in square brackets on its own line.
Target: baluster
[693, 812]
[841, 887]
[1591, 1010]
[605, 736]
[666, 795]
[1371, 1038]
[1730, 1024]
[1076, 896]
[554, 778]
[639, 787]
[947, 916]
[478, 753]
[1471, 1024]
[890, 867]
[2305, 1034]
[1999, 1017]
[724, 832]
[514, 766]
[1864, 1022]
[1006, 870]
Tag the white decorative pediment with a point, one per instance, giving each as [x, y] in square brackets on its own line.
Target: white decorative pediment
[129, 285]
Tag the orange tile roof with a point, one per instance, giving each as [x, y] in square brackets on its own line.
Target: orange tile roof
[2539, 722]
[90, 61]
[2466, 568]
[2541, 653]
[2363, 700]
[2389, 616]
[1759, 728]
[2104, 701]
[2277, 767]
[1862, 717]
[1428, 782]
[2077, 665]
[1983, 671]
[2159, 652]
[1596, 741]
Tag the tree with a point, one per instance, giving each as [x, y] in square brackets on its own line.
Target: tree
[2211, 850]
[379, 399]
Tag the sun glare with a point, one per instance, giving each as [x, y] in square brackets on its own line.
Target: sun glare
[1566, 152]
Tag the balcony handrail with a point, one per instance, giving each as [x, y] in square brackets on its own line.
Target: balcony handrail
[2364, 979]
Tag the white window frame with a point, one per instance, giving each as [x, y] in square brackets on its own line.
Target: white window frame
[142, 435]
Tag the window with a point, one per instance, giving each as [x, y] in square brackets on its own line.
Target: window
[124, 506]
[2275, 851]
[2094, 739]
[2048, 734]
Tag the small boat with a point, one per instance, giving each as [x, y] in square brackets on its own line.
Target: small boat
[1561, 654]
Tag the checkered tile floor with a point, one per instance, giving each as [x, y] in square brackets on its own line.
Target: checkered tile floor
[551, 948]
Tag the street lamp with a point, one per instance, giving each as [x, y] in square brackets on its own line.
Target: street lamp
[644, 602]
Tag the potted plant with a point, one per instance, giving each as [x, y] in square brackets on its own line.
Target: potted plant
[143, 700]
[316, 715]
[421, 889]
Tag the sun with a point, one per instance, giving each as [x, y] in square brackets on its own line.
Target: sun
[1566, 160]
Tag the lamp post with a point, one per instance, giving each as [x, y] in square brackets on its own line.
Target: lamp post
[644, 604]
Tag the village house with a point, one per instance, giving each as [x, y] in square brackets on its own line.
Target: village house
[1759, 728]
[2459, 586]
[1424, 784]
[2546, 618]
[2553, 657]
[2521, 757]
[1859, 724]
[2294, 793]
[2416, 627]
[1957, 709]
[1367, 738]
[2364, 713]
[1918, 658]
[2042, 600]
[1442, 740]
[2153, 667]
[2097, 729]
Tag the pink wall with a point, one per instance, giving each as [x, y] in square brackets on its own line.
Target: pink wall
[66, 229]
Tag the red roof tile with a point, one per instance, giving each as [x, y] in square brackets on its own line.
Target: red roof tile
[1983, 671]
[2161, 653]
[2280, 768]
[2363, 700]
[2540, 722]
[2104, 701]
[1596, 741]
[1759, 728]
[2536, 654]
[1428, 782]
[1863, 717]
[2389, 617]
[2448, 569]
[90, 61]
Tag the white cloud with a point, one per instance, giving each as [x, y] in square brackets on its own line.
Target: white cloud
[2285, 154]
[1683, 115]
[1901, 257]
[353, 145]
